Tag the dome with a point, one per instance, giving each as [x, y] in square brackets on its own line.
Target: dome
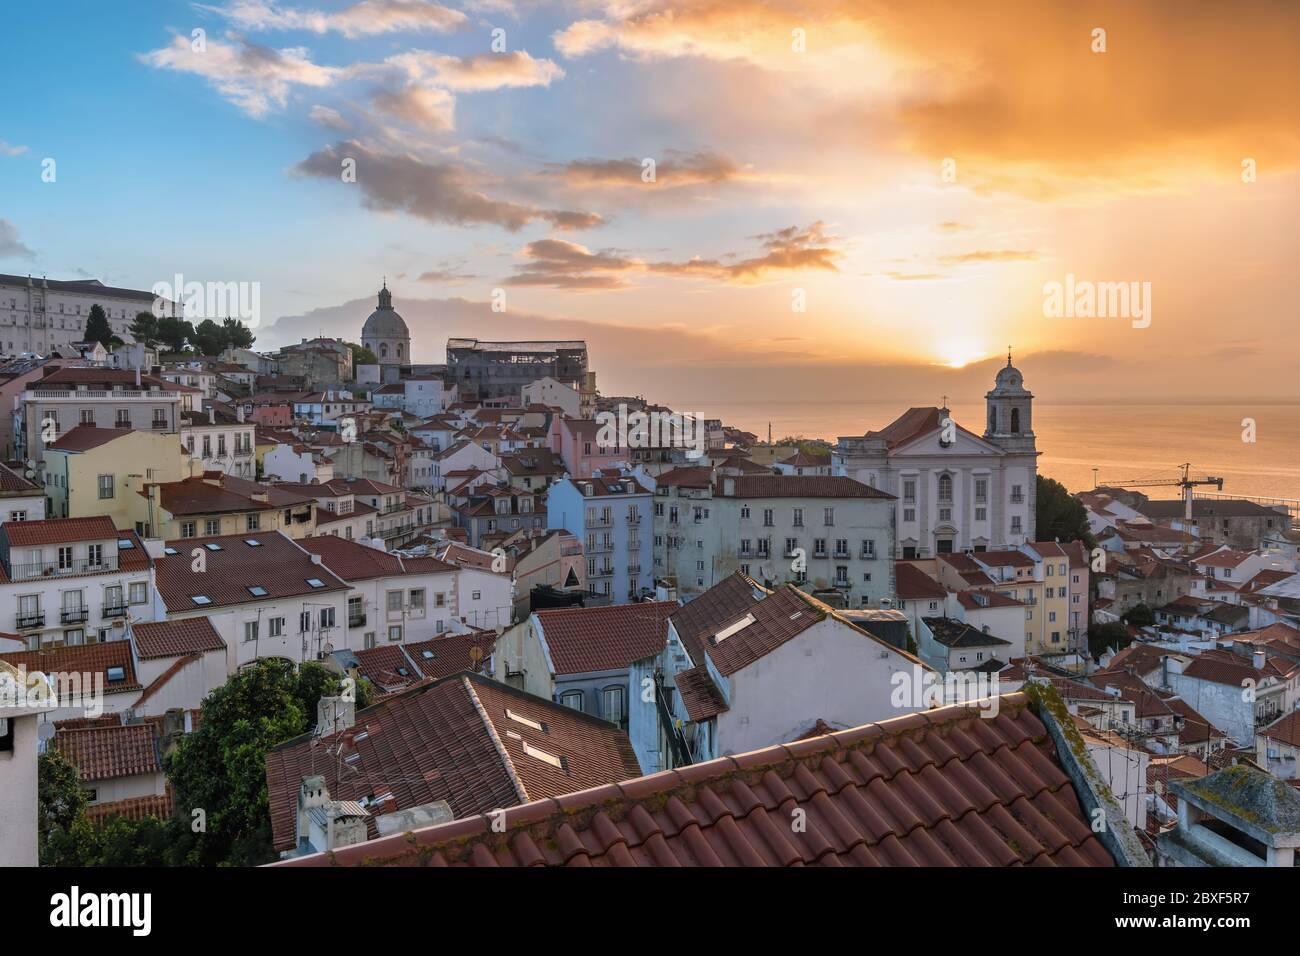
[384, 322]
[1009, 379]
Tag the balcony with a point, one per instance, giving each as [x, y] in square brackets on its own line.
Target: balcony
[600, 547]
[867, 555]
[357, 620]
[602, 573]
[115, 610]
[1017, 499]
[28, 621]
[159, 425]
[74, 615]
[634, 519]
[47, 569]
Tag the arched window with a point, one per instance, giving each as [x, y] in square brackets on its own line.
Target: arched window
[993, 419]
[383, 351]
[399, 351]
[945, 487]
[1015, 420]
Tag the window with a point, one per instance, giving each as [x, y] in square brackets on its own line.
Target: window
[394, 632]
[65, 559]
[909, 489]
[744, 512]
[105, 486]
[945, 487]
[138, 592]
[909, 514]
[798, 517]
[88, 416]
[326, 617]
[981, 489]
[828, 517]
[572, 699]
[250, 631]
[417, 601]
[394, 599]
[767, 517]
[275, 627]
[212, 526]
[476, 595]
[187, 529]
[304, 622]
[612, 704]
[254, 523]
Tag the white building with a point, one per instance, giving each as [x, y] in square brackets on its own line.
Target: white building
[38, 314]
[70, 581]
[265, 595]
[554, 394]
[956, 491]
[20, 498]
[19, 752]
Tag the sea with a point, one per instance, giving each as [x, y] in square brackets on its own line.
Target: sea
[1123, 443]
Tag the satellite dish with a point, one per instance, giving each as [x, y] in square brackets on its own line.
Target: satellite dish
[475, 654]
[45, 730]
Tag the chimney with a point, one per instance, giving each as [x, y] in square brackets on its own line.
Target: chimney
[1258, 659]
[334, 714]
[212, 414]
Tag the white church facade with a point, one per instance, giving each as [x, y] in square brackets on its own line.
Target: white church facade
[957, 491]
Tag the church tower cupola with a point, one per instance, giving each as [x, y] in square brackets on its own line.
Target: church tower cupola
[1010, 422]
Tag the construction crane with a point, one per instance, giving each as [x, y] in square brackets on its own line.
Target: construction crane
[1186, 482]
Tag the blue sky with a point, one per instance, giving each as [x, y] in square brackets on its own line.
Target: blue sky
[799, 146]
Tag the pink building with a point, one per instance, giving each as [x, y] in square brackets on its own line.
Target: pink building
[574, 440]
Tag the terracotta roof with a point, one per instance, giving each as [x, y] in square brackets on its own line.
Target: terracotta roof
[976, 599]
[27, 534]
[1286, 730]
[82, 659]
[198, 495]
[588, 639]
[783, 614]
[913, 584]
[277, 564]
[459, 739]
[941, 788]
[85, 437]
[398, 665]
[952, 633]
[1003, 559]
[799, 486]
[106, 752]
[702, 616]
[700, 477]
[132, 808]
[194, 635]
[699, 694]
[350, 560]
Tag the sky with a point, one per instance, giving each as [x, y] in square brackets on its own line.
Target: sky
[768, 200]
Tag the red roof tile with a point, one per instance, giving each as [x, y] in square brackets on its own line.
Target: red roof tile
[276, 564]
[942, 788]
[82, 659]
[913, 584]
[29, 534]
[589, 639]
[701, 617]
[194, 635]
[132, 808]
[105, 752]
[452, 740]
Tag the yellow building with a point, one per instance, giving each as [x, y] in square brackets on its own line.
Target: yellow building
[213, 504]
[101, 471]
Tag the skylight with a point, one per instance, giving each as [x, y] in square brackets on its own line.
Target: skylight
[170, 551]
[213, 546]
[201, 599]
[125, 544]
[252, 542]
[316, 582]
[257, 590]
[526, 721]
[427, 655]
[543, 756]
[116, 673]
[731, 629]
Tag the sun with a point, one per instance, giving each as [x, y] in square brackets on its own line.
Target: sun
[959, 354]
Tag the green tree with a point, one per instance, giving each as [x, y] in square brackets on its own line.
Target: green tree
[221, 768]
[237, 335]
[60, 799]
[1103, 637]
[144, 328]
[362, 355]
[1139, 615]
[174, 333]
[209, 338]
[1059, 516]
[97, 327]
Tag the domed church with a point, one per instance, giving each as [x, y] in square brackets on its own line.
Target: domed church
[385, 333]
